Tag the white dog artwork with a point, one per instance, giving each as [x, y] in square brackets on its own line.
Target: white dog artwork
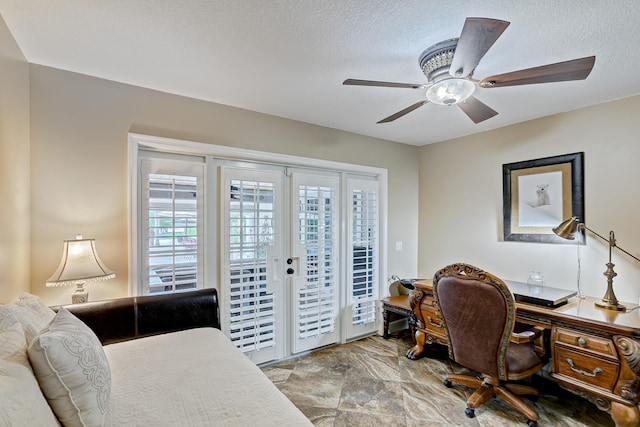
[542, 196]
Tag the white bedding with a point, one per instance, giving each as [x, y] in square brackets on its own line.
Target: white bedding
[192, 378]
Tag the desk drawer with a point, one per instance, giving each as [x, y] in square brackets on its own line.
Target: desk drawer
[432, 321]
[428, 301]
[601, 346]
[585, 368]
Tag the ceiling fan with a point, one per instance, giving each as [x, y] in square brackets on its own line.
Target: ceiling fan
[449, 67]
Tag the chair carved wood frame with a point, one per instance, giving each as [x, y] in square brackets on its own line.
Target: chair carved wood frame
[488, 354]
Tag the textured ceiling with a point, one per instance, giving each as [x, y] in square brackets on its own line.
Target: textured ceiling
[288, 58]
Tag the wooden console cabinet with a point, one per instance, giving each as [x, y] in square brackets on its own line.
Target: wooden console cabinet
[594, 353]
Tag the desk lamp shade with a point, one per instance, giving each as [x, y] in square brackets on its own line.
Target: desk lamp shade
[80, 263]
[567, 229]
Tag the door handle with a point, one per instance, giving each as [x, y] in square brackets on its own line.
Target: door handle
[293, 265]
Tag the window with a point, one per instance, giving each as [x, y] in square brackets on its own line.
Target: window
[172, 226]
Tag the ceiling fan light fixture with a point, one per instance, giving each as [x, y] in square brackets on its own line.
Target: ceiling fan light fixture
[450, 91]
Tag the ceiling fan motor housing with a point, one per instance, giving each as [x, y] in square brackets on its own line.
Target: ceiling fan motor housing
[436, 60]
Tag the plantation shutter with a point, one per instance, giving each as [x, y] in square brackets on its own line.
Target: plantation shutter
[315, 232]
[251, 231]
[171, 224]
[364, 243]
[315, 226]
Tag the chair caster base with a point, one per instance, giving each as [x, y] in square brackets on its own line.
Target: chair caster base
[470, 412]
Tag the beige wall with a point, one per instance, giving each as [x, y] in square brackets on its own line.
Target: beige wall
[79, 129]
[14, 168]
[76, 169]
[461, 198]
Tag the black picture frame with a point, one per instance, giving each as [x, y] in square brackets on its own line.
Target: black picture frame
[539, 194]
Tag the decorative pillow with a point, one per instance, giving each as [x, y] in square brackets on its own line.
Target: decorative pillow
[27, 295]
[22, 402]
[72, 370]
[31, 312]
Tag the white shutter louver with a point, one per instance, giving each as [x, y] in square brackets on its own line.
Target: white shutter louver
[316, 297]
[251, 231]
[364, 235]
[172, 228]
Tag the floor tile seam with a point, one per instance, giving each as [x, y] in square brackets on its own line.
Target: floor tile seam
[405, 405]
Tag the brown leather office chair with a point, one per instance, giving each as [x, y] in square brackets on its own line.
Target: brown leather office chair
[478, 313]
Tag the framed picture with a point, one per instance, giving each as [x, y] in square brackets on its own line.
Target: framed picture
[540, 194]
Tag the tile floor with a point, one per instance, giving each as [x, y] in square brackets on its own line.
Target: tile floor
[371, 383]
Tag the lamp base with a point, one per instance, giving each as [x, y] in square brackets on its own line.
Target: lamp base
[609, 300]
[80, 295]
[608, 306]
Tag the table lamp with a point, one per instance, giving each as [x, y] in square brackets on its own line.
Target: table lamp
[567, 230]
[80, 263]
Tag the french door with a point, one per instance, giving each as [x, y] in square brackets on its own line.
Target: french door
[315, 269]
[280, 283]
[252, 254]
[293, 251]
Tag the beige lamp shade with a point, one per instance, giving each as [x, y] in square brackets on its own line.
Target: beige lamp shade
[80, 263]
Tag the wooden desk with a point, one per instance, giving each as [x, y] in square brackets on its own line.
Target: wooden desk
[595, 353]
[398, 305]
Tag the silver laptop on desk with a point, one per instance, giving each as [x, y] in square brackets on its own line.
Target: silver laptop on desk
[539, 295]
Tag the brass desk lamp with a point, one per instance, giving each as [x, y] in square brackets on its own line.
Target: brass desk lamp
[567, 230]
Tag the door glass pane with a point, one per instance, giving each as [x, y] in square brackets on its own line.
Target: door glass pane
[364, 274]
[317, 295]
[251, 232]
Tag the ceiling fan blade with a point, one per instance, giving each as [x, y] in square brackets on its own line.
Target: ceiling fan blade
[477, 37]
[575, 69]
[403, 112]
[476, 110]
[356, 82]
